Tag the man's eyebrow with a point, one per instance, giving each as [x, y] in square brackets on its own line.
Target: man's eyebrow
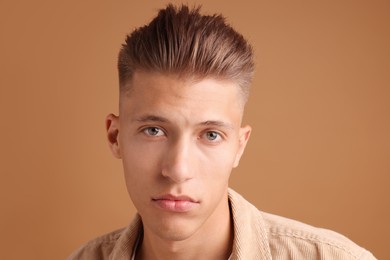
[218, 124]
[151, 118]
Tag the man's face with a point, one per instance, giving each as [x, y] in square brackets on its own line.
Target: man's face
[179, 141]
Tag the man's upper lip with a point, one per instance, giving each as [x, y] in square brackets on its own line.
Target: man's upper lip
[174, 197]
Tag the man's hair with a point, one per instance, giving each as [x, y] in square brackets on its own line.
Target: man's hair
[183, 42]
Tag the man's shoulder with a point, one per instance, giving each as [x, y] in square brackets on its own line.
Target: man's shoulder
[116, 245]
[269, 236]
[293, 239]
[98, 248]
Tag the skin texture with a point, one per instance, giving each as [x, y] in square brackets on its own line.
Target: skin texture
[180, 138]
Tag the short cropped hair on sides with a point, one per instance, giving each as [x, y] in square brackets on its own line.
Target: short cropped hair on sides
[183, 42]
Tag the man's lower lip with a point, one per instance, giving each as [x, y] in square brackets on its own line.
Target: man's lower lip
[175, 205]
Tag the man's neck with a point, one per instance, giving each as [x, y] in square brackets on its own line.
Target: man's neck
[214, 240]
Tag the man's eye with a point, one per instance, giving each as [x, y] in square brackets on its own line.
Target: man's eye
[153, 131]
[212, 136]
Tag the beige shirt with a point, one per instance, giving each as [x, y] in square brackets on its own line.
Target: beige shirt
[257, 235]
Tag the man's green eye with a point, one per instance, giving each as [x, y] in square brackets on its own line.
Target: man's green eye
[153, 131]
[212, 136]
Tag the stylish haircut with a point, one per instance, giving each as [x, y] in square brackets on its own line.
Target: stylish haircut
[183, 42]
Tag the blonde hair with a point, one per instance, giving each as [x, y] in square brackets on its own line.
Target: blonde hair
[181, 41]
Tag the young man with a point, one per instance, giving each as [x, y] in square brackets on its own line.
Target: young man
[184, 82]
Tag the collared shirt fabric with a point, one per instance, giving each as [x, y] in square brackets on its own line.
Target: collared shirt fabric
[257, 236]
[136, 247]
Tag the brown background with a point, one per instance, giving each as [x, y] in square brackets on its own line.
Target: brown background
[320, 149]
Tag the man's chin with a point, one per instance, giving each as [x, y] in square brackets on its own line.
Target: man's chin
[173, 229]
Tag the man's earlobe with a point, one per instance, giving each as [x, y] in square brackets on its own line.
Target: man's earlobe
[112, 127]
[244, 133]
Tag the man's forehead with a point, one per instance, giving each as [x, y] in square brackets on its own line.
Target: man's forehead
[165, 99]
[144, 80]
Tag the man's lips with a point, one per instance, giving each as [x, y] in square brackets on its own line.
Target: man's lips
[174, 203]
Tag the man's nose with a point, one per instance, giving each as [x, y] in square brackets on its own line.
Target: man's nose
[177, 164]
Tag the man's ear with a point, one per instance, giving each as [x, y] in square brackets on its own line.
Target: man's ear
[244, 134]
[112, 127]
